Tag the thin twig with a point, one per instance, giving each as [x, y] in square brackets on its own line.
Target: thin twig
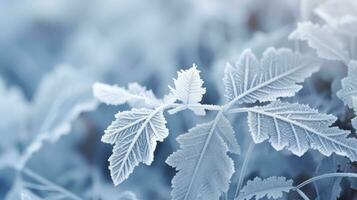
[329, 175]
[244, 168]
[302, 194]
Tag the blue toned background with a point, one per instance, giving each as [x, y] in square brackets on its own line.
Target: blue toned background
[52, 51]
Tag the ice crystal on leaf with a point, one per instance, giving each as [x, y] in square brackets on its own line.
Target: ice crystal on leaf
[275, 75]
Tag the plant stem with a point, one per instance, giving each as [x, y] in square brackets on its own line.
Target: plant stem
[302, 194]
[329, 175]
[244, 168]
[176, 107]
[238, 110]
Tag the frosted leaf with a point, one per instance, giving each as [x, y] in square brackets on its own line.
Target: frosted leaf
[322, 39]
[299, 128]
[203, 164]
[272, 187]
[147, 97]
[188, 88]
[61, 97]
[110, 94]
[136, 95]
[275, 75]
[349, 85]
[134, 135]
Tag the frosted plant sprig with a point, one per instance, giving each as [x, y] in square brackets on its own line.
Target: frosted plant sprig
[134, 133]
[274, 187]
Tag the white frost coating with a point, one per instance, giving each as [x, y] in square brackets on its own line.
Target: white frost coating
[134, 135]
[275, 75]
[272, 187]
[110, 94]
[188, 88]
[61, 97]
[136, 95]
[203, 164]
[299, 128]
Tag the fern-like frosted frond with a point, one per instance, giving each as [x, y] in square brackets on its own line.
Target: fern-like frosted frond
[275, 75]
[322, 39]
[136, 95]
[203, 164]
[299, 128]
[349, 86]
[188, 88]
[134, 135]
[272, 187]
